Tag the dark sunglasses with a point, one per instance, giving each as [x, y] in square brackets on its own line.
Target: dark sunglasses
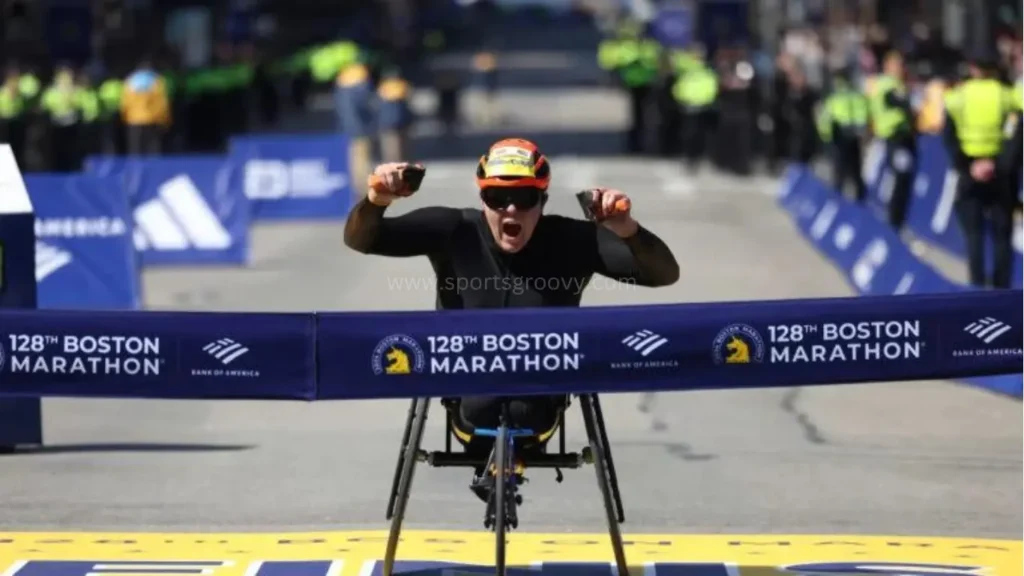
[501, 198]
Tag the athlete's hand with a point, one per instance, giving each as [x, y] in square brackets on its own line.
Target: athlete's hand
[385, 184]
[613, 209]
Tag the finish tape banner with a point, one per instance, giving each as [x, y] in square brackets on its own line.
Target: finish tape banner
[932, 211]
[84, 258]
[338, 356]
[876, 262]
[157, 355]
[294, 177]
[187, 210]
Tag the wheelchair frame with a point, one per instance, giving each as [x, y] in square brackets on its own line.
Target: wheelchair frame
[501, 513]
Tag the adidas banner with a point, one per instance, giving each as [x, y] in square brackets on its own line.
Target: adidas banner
[84, 252]
[187, 210]
[105, 165]
[876, 262]
[301, 177]
[932, 212]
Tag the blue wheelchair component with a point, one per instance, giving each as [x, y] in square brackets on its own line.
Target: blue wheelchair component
[513, 432]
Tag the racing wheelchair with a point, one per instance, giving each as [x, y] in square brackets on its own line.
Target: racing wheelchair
[501, 515]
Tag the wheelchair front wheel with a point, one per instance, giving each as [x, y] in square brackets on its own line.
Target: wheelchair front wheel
[604, 482]
[409, 460]
[501, 471]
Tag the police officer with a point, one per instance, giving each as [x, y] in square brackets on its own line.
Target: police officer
[13, 114]
[89, 109]
[696, 91]
[842, 123]
[637, 61]
[60, 103]
[976, 114]
[892, 121]
[1011, 162]
[394, 115]
[111, 128]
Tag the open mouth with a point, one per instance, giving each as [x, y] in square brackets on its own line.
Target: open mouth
[511, 229]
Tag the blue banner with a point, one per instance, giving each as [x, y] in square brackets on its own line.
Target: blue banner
[84, 258]
[294, 177]
[872, 256]
[932, 211]
[876, 262]
[157, 355]
[510, 352]
[187, 210]
[700, 346]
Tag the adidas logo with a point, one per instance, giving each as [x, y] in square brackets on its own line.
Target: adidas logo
[179, 219]
[987, 329]
[645, 342]
[49, 259]
[226, 350]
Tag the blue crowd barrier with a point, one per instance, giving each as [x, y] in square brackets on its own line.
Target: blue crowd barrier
[932, 211]
[84, 254]
[348, 356]
[303, 177]
[876, 262]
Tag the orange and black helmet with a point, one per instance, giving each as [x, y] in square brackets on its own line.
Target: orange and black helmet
[513, 163]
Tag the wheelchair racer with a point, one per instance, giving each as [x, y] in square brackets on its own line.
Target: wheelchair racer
[509, 254]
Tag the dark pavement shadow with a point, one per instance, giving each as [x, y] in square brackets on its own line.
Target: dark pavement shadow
[128, 447]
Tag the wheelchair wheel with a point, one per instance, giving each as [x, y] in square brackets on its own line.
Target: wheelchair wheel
[401, 459]
[502, 469]
[604, 482]
[613, 478]
[409, 460]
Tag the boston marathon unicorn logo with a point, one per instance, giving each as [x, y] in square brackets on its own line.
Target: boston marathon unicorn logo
[398, 362]
[739, 352]
[738, 344]
[396, 355]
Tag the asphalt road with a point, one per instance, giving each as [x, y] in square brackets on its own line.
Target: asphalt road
[923, 458]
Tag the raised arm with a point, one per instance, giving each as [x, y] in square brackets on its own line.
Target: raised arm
[416, 233]
[625, 250]
[642, 258]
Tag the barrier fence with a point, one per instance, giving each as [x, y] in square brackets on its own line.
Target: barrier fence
[931, 215]
[876, 262]
[98, 229]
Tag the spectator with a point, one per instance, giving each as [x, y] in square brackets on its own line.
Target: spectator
[799, 110]
[146, 109]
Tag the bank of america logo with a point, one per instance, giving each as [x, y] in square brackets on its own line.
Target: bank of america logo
[49, 259]
[226, 350]
[645, 342]
[987, 329]
[179, 219]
